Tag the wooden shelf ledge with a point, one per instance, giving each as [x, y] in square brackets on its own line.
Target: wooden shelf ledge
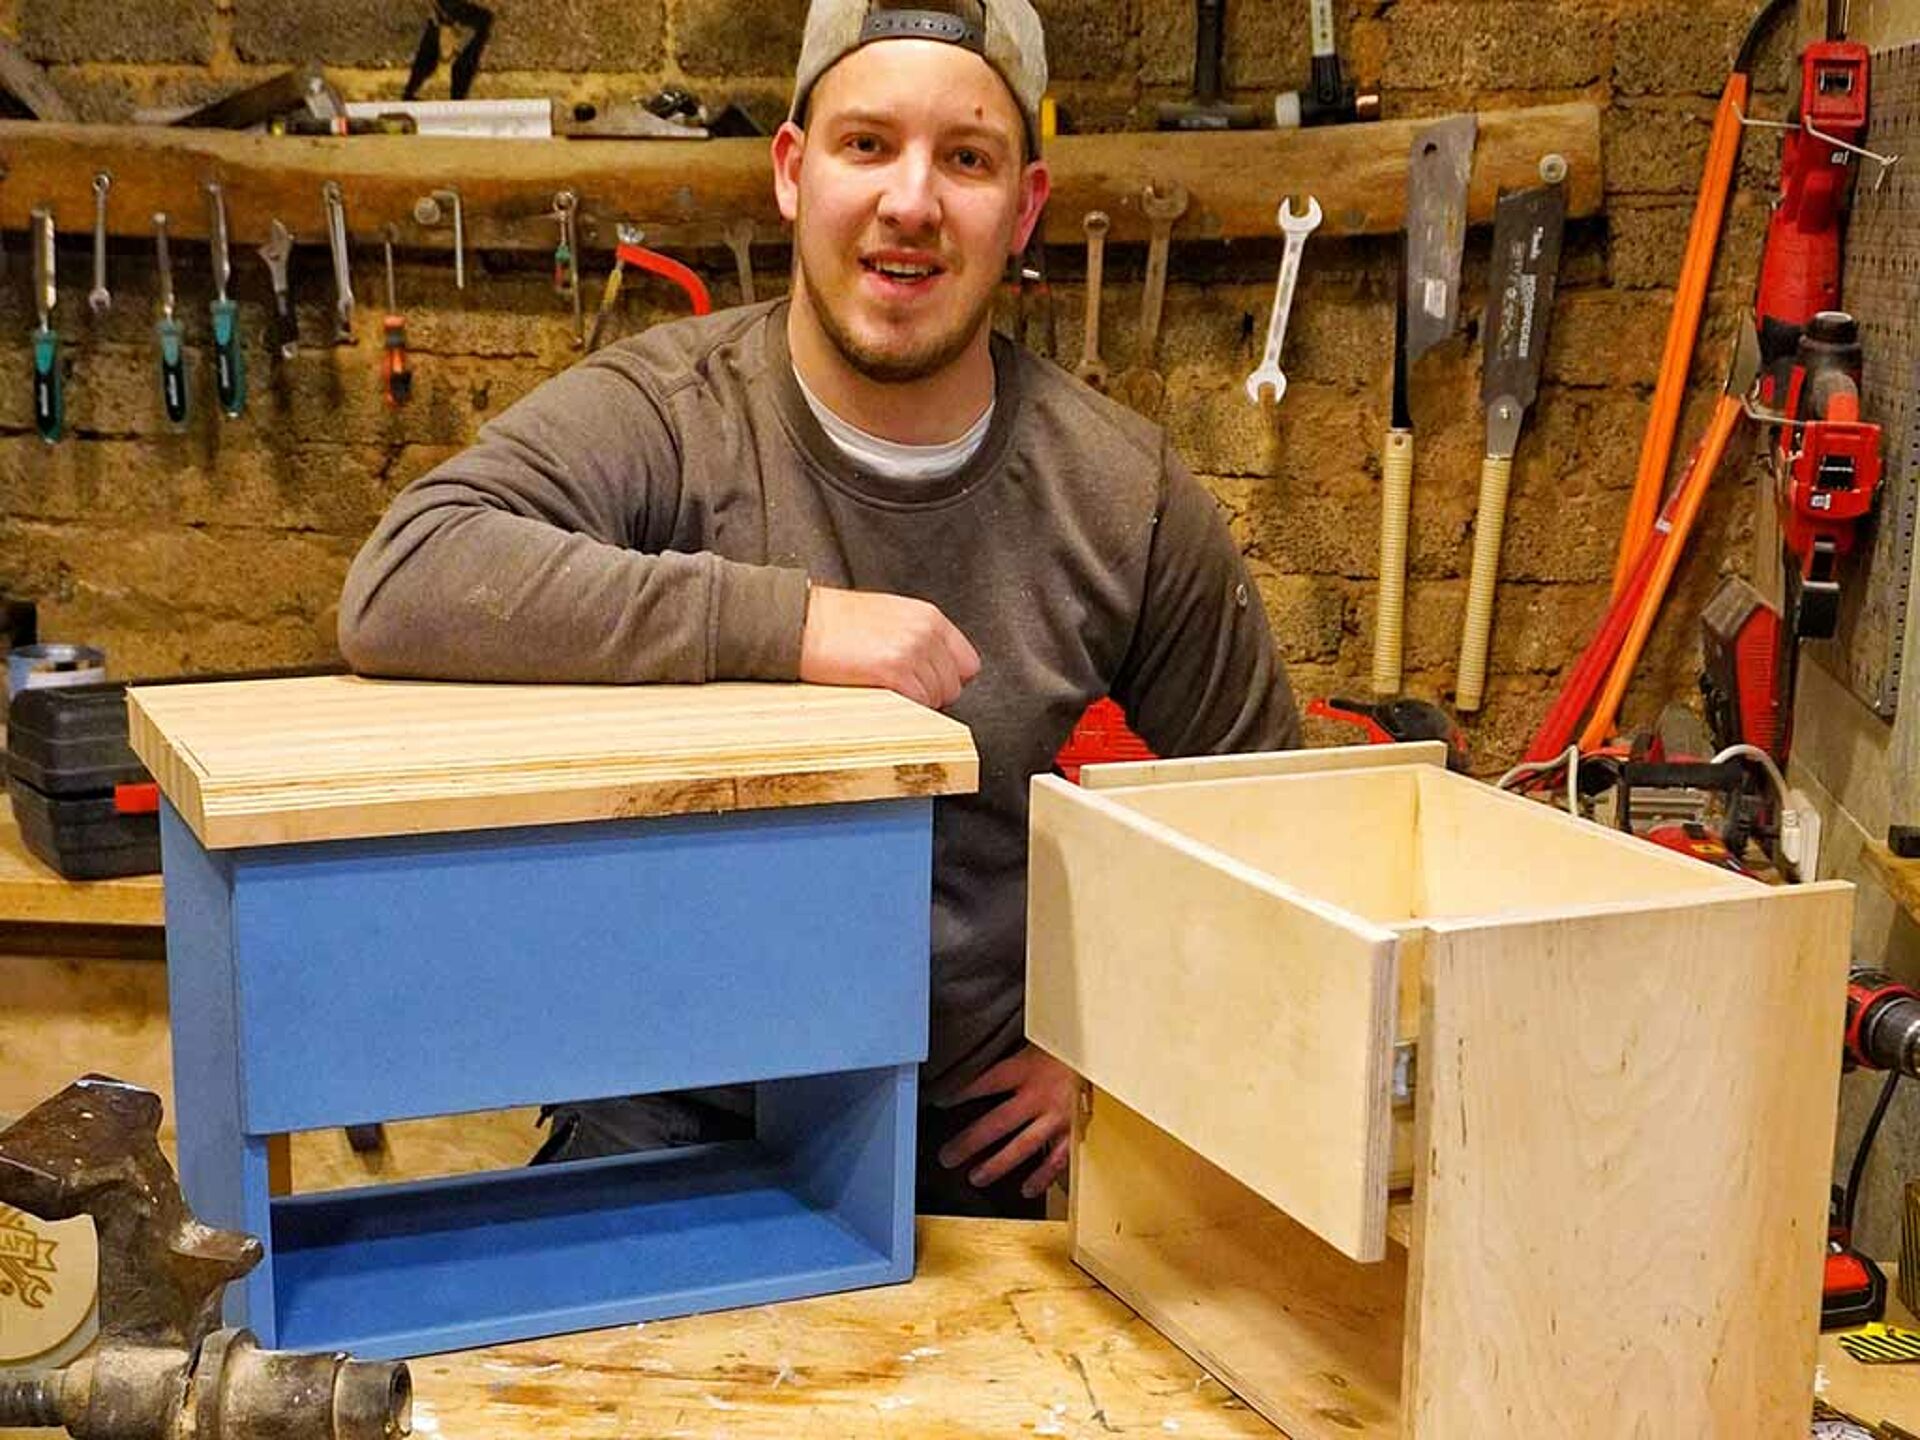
[686, 192]
[1901, 877]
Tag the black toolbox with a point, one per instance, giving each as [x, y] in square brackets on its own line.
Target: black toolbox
[84, 803]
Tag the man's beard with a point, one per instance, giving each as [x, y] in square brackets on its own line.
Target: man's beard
[929, 355]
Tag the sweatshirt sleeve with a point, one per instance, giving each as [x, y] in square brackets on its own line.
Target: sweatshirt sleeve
[1201, 676]
[526, 558]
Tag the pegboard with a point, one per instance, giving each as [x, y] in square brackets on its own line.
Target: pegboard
[1881, 287]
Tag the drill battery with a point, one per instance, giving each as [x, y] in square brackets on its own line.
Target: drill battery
[84, 803]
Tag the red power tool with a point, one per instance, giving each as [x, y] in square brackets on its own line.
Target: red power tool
[1800, 267]
[1826, 469]
[1883, 1033]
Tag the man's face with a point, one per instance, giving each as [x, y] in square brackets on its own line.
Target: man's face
[907, 193]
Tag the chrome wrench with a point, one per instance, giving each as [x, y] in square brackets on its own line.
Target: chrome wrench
[1162, 211]
[342, 262]
[1296, 228]
[100, 299]
[1091, 368]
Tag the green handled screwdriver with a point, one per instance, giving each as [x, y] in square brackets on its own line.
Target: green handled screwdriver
[49, 405]
[229, 359]
[173, 366]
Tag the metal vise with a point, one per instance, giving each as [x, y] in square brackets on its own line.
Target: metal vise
[161, 1369]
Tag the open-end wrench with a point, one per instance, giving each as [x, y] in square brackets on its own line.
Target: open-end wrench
[1091, 368]
[1296, 228]
[1162, 210]
[342, 262]
[100, 299]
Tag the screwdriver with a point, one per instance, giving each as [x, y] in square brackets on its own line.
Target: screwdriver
[173, 369]
[229, 360]
[49, 406]
[398, 378]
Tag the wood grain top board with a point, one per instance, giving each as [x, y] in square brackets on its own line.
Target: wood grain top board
[330, 757]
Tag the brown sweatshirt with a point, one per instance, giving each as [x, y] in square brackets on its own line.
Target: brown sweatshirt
[655, 513]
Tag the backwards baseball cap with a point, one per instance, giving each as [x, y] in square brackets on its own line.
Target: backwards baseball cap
[1005, 33]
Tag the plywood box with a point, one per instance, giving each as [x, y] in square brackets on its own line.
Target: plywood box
[1610, 1072]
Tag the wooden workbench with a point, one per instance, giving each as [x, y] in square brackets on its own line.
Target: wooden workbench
[997, 1335]
[32, 893]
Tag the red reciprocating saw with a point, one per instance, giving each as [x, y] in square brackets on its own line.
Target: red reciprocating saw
[1800, 268]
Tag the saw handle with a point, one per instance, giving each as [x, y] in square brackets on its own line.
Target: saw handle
[1396, 498]
[1496, 474]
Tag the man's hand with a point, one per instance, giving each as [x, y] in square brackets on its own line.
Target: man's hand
[907, 646]
[1037, 1113]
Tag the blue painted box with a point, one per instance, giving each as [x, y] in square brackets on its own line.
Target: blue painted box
[322, 978]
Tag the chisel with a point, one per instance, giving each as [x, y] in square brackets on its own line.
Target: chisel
[1527, 228]
[173, 364]
[229, 359]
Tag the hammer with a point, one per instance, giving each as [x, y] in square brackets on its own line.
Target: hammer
[1206, 110]
[1332, 100]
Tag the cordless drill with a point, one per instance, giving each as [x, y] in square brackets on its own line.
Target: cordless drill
[1883, 1033]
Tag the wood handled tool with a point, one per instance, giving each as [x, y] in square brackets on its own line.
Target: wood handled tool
[1527, 229]
[1427, 308]
[173, 360]
[229, 358]
[49, 400]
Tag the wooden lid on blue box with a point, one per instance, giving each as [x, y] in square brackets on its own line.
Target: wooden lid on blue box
[335, 757]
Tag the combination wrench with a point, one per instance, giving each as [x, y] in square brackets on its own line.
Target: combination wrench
[100, 299]
[1091, 368]
[1296, 228]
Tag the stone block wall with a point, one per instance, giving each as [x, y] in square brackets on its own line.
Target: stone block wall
[223, 546]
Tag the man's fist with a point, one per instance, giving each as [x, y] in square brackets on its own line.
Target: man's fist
[907, 646]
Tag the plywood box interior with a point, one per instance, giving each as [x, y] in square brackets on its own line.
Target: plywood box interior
[1617, 1070]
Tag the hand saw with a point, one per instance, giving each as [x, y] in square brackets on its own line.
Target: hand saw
[1428, 307]
[1527, 230]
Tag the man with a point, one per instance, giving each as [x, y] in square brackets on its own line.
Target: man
[860, 485]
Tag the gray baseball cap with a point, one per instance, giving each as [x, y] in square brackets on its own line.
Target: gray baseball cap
[1005, 33]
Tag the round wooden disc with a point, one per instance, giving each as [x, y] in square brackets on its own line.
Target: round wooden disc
[49, 1278]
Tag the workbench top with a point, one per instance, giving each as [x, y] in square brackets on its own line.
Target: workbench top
[999, 1334]
[32, 893]
[334, 757]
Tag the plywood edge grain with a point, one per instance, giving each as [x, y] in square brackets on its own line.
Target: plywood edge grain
[1308, 1337]
[1158, 969]
[1129, 773]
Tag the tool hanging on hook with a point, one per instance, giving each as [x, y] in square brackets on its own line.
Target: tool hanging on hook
[566, 259]
[100, 299]
[477, 21]
[49, 404]
[173, 363]
[229, 356]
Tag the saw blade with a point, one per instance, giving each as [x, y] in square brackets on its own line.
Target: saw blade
[1527, 230]
[1438, 167]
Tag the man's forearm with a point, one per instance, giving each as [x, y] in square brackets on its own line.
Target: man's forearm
[450, 587]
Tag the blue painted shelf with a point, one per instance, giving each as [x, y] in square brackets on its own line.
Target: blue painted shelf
[387, 1270]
